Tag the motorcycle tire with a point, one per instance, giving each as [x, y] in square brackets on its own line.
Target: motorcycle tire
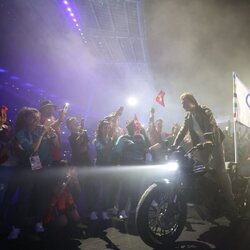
[146, 234]
[247, 212]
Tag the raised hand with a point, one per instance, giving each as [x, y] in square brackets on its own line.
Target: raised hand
[152, 111]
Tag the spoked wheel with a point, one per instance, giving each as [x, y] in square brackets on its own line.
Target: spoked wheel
[160, 216]
[247, 200]
[241, 188]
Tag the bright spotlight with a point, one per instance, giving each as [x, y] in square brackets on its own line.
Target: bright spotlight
[132, 101]
[172, 166]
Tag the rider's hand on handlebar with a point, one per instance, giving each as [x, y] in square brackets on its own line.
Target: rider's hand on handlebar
[199, 146]
[208, 144]
[173, 147]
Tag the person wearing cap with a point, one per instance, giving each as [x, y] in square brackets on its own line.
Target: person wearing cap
[47, 110]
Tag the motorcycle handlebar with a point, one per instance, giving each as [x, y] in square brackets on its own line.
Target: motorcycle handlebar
[200, 146]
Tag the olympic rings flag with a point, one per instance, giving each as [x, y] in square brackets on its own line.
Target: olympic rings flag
[241, 101]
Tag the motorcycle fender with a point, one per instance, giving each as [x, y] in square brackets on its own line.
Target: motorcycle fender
[163, 182]
[166, 183]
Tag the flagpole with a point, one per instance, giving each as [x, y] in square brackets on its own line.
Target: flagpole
[235, 118]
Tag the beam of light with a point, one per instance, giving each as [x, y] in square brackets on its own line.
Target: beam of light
[171, 166]
[120, 170]
[132, 101]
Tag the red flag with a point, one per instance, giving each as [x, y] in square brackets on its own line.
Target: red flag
[138, 125]
[160, 98]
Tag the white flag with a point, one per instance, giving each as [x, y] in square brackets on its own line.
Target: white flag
[241, 102]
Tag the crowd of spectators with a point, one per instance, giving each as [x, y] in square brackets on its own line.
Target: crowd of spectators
[50, 190]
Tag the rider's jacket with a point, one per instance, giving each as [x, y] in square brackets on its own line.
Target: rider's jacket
[207, 123]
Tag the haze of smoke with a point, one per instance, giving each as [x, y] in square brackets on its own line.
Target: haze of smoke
[195, 45]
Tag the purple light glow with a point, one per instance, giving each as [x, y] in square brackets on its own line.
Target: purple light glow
[2, 70]
[14, 78]
[27, 84]
[73, 17]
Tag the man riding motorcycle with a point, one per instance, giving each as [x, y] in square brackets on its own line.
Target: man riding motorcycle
[199, 121]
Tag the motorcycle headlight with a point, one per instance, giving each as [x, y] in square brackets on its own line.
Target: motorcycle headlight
[171, 166]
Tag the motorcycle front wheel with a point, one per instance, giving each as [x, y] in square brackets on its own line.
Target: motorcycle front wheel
[160, 216]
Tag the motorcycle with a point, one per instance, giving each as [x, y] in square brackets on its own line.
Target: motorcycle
[162, 209]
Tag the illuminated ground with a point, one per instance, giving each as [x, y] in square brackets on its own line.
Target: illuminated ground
[118, 235]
